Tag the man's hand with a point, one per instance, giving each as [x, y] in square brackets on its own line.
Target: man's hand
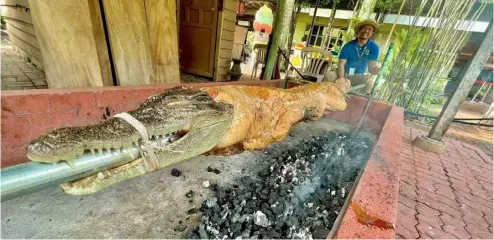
[374, 67]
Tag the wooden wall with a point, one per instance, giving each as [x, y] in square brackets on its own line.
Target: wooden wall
[65, 35]
[143, 41]
[163, 40]
[21, 30]
[224, 46]
[70, 36]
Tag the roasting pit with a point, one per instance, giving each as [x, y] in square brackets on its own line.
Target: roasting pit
[160, 205]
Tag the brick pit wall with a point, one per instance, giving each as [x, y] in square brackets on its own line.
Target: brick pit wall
[27, 114]
[30, 113]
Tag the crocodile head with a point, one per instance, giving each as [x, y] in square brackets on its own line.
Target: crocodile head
[183, 110]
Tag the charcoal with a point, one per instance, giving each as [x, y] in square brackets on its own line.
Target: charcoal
[193, 235]
[214, 170]
[179, 228]
[176, 173]
[320, 232]
[193, 211]
[297, 192]
[189, 194]
[202, 232]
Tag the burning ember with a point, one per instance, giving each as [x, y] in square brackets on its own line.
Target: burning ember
[298, 195]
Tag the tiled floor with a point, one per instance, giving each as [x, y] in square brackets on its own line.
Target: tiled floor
[18, 74]
[444, 196]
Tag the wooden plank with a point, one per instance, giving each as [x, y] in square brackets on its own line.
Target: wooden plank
[64, 33]
[225, 44]
[100, 41]
[225, 53]
[17, 13]
[162, 27]
[26, 27]
[26, 37]
[32, 52]
[24, 3]
[230, 5]
[129, 41]
[227, 35]
[230, 15]
[219, 32]
[228, 26]
[223, 73]
[224, 62]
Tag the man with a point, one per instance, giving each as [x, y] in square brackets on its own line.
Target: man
[360, 55]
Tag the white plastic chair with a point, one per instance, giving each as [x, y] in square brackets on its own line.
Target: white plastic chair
[260, 50]
[312, 62]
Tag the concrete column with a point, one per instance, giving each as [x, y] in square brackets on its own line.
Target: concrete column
[468, 77]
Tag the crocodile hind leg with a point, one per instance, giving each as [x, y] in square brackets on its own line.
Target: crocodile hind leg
[199, 139]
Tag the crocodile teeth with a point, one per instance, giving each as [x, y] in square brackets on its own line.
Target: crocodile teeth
[129, 152]
[71, 163]
[100, 151]
[92, 150]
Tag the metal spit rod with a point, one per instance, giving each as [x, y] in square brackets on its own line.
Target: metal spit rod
[29, 177]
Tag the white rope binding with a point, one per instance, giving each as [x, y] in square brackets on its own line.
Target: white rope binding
[146, 148]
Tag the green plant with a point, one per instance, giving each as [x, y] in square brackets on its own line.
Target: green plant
[426, 54]
[3, 24]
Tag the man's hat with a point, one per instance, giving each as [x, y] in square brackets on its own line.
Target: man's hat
[371, 22]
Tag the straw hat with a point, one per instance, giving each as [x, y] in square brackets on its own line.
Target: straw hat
[371, 22]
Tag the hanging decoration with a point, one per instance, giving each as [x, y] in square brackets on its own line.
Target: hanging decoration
[263, 24]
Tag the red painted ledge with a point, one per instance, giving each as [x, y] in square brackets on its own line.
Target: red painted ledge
[372, 209]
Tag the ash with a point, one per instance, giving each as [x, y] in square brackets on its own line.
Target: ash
[298, 195]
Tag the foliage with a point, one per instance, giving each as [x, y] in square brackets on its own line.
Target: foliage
[424, 56]
[384, 6]
[3, 23]
[249, 43]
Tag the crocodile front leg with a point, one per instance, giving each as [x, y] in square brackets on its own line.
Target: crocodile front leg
[205, 132]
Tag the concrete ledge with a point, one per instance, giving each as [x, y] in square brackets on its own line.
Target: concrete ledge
[372, 209]
[429, 144]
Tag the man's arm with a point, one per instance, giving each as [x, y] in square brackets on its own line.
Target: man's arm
[374, 67]
[341, 68]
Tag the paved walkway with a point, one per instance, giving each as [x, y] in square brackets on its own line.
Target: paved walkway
[444, 196]
[17, 73]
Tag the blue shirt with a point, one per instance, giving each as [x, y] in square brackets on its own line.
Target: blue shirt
[368, 52]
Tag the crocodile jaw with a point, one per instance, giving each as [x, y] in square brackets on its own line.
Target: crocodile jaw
[172, 111]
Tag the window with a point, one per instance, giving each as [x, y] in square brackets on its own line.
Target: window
[315, 38]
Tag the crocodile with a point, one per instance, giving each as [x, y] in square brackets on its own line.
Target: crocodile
[208, 119]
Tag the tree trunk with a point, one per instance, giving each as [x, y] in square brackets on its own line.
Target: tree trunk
[282, 21]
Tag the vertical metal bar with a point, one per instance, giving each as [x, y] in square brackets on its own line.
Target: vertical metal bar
[369, 100]
[476, 94]
[312, 24]
[485, 95]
